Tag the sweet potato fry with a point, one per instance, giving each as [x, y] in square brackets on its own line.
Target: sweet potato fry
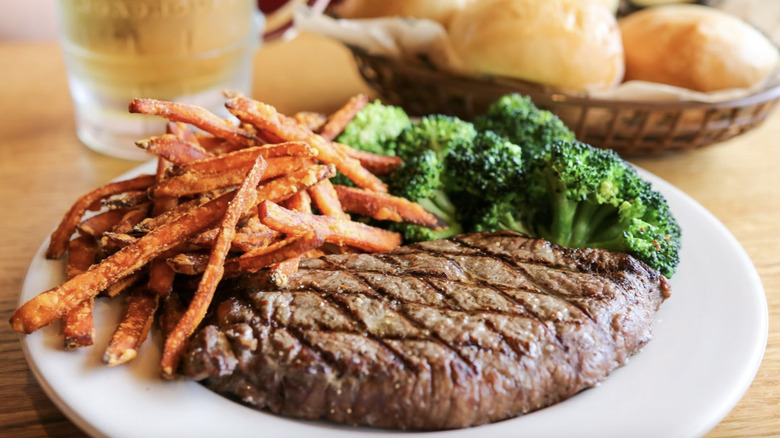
[332, 230]
[301, 201]
[100, 223]
[242, 240]
[341, 117]
[132, 218]
[374, 163]
[290, 247]
[196, 116]
[53, 303]
[279, 273]
[285, 186]
[266, 118]
[244, 158]
[131, 199]
[182, 131]
[82, 251]
[310, 119]
[160, 277]
[111, 242]
[188, 263]
[215, 145]
[191, 183]
[140, 307]
[325, 198]
[173, 149]
[60, 237]
[78, 326]
[123, 284]
[244, 197]
[382, 206]
[152, 223]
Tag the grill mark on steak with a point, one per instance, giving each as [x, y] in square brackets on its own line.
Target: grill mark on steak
[416, 323]
[526, 308]
[516, 266]
[440, 334]
[299, 335]
[454, 305]
[338, 302]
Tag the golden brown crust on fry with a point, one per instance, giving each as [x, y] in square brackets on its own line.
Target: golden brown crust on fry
[377, 164]
[61, 236]
[50, 305]
[300, 201]
[132, 218]
[311, 120]
[291, 247]
[78, 327]
[98, 224]
[325, 198]
[285, 186]
[382, 206]
[140, 307]
[243, 199]
[279, 273]
[195, 182]
[266, 118]
[341, 117]
[196, 116]
[124, 284]
[332, 230]
[243, 159]
[211, 211]
[161, 277]
[182, 131]
[173, 149]
[188, 263]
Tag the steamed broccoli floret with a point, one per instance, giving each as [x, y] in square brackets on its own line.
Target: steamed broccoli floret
[515, 117]
[436, 132]
[488, 166]
[420, 180]
[375, 127]
[580, 196]
[424, 178]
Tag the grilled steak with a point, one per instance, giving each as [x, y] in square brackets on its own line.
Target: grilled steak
[436, 335]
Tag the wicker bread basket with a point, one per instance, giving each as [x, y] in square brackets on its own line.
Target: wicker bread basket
[628, 127]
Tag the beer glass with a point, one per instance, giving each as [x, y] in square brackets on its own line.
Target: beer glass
[181, 50]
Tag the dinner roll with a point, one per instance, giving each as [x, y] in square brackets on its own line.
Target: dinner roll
[436, 10]
[695, 47]
[567, 44]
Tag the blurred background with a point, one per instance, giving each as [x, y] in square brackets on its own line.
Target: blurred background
[28, 20]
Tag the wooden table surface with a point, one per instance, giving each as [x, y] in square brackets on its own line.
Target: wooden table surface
[44, 167]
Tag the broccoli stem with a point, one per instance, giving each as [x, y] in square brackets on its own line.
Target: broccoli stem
[610, 236]
[441, 205]
[616, 242]
[590, 221]
[564, 211]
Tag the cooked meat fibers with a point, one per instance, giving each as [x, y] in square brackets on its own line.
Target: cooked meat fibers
[437, 335]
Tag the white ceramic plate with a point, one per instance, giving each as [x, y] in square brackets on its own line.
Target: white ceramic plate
[709, 341]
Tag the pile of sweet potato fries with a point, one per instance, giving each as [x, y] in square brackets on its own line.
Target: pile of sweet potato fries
[227, 198]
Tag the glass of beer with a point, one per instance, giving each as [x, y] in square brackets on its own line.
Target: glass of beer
[181, 50]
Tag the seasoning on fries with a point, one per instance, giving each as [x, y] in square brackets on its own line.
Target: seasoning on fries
[227, 199]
